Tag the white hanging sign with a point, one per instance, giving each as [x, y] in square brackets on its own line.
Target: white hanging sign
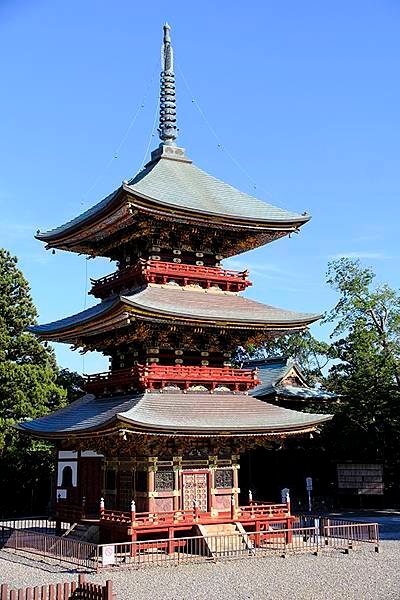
[108, 556]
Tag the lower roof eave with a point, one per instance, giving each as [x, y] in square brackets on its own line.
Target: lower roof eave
[114, 426]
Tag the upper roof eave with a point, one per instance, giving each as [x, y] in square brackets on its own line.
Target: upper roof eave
[86, 218]
[290, 222]
[279, 224]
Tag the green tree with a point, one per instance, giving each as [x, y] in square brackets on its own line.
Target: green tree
[72, 382]
[28, 386]
[366, 373]
[361, 303]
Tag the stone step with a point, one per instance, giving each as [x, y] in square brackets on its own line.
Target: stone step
[223, 539]
[83, 533]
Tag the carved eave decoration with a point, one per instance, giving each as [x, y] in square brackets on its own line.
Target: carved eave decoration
[125, 324]
[127, 443]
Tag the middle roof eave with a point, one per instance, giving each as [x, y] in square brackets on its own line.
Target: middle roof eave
[184, 305]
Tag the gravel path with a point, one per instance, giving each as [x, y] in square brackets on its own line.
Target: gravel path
[361, 575]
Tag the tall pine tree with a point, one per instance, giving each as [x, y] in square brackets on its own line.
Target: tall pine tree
[28, 389]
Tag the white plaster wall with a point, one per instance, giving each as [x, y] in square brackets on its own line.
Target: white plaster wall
[74, 467]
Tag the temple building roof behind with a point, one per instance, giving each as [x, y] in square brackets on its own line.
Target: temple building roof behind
[280, 376]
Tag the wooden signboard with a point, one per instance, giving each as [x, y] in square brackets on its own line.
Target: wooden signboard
[360, 478]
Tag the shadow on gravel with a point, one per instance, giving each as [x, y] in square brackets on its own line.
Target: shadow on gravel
[7, 556]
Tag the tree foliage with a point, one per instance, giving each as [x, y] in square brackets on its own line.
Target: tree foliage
[366, 373]
[361, 305]
[28, 382]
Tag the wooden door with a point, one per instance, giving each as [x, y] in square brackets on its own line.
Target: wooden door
[195, 487]
[90, 483]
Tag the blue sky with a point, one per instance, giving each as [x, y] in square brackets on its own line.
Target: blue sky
[304, 96]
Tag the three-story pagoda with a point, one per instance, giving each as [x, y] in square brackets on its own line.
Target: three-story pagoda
[165, 426]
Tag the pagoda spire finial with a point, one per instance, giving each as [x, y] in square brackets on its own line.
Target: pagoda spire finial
[168, 130]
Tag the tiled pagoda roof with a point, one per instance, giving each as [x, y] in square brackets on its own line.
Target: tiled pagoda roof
[171, 185]
[174, 414]
[178, 305]
[272, 373]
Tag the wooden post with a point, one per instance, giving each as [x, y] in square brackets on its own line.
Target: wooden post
[233, 508]
[195, 511]
[151, 485]
[4, 591]
[257, 536]
[170, 541]
[109, 591]
[102, 507]
[133, 513]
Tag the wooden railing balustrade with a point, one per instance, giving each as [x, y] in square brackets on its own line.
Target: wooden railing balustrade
[156, 376]
[154, 271]
[189, 516]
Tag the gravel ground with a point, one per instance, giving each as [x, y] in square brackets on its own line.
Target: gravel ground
[361, 575]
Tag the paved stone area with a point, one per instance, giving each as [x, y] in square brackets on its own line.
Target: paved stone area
[361, 575]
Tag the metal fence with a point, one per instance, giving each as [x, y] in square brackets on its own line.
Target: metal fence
[40, 524]
[323, 534]
[82, 554]
[278, 541]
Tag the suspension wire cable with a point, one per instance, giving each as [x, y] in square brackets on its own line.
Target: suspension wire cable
[125, 136]
[86, 259]
[151, 134]
[216, 136]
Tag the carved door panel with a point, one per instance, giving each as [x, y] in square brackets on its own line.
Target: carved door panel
[195, 487]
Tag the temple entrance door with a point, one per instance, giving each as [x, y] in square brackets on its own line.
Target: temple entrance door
[195, 487]
[90, 483]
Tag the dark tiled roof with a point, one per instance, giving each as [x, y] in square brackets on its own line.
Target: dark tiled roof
[90, 314]
[175, 413]
[170, 301]
[271, 371]
[221, 306]
[179, 184]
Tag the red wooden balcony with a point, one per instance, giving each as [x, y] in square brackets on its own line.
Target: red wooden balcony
[154, 271]
[157, 377]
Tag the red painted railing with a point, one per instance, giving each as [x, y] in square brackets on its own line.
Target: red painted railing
[156, 376]
[154, 271]
[255, 512]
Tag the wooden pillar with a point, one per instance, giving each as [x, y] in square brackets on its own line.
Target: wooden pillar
[235, 468]
[212, 463]
[151, 469]
[177, 466]
[171, 545]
